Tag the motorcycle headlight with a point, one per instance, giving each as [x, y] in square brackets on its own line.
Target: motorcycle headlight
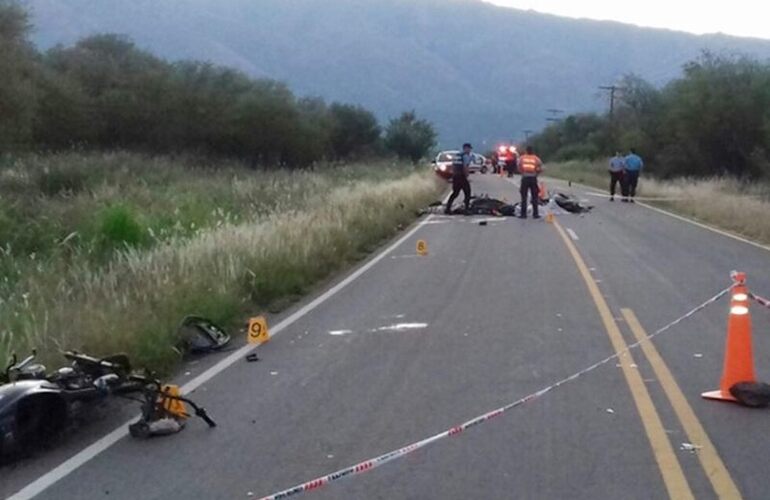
[442, 168]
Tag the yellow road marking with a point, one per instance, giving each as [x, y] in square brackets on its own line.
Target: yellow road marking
[712, 465]
[673, 476]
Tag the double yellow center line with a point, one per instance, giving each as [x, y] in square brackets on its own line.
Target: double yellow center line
[668, 463]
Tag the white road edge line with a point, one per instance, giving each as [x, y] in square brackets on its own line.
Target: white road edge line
[80, 458]
[573, 235]
[592, 190]
[707, 227]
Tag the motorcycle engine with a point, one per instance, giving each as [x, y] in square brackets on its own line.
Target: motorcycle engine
[70, 378]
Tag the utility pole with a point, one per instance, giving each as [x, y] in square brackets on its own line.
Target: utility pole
[612, 89]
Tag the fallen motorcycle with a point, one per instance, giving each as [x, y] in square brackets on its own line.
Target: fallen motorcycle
[36, 405]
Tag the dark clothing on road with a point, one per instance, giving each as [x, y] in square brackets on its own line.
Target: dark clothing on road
[459, 183]
[510, 167]
[615, 179]
[529, 186]
[630, 181]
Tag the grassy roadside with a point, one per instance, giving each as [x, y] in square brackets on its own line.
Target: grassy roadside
[730, 204]
[107, 253]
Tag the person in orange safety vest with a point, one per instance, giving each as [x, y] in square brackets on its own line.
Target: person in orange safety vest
[530, 166]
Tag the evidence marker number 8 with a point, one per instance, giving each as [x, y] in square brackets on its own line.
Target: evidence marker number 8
[422, 248]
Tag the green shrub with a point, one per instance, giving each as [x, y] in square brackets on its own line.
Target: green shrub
[118, 227]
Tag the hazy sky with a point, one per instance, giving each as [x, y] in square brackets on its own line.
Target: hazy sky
[734, 17]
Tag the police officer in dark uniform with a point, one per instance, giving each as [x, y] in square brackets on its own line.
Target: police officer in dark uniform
[461, 169]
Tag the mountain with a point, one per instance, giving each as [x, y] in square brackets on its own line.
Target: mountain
[479, 72]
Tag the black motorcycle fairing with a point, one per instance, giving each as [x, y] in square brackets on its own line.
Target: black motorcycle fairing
[29, 410]
[11, 393]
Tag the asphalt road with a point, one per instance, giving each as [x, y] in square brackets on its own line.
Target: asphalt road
[416, 345]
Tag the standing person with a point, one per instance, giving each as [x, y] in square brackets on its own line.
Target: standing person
[511, 167]
[461, 169]
[633, 167]
[617, 166]
[530, 166]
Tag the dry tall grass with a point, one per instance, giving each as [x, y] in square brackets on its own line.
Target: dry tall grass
[737, 206]
[134, 302]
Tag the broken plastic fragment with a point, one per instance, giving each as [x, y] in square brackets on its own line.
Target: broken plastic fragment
[690, 447]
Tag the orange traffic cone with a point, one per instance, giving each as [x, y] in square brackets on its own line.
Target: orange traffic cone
[739, 360]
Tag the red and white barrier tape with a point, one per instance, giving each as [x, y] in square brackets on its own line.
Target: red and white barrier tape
[760, 300]
[373, 463]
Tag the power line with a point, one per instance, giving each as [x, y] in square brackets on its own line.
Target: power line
[555, 115]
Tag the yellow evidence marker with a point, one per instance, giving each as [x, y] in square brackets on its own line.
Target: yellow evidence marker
[257, 332]
[422, 248]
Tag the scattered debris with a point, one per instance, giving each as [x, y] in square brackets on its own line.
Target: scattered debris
[692, 448]
[571, 204]
[400, 327]
[200, 335]
[610, 410]
[164, 409]
[751, 394]
[697, 355]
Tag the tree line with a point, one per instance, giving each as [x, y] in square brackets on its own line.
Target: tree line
[714, 120]
[105, 93]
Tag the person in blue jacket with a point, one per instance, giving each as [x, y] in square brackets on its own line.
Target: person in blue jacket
[633, 167]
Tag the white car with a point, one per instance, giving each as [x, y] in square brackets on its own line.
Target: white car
[442, 165]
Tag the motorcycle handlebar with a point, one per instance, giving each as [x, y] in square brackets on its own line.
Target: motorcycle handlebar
[23, 363]
[201, 412]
